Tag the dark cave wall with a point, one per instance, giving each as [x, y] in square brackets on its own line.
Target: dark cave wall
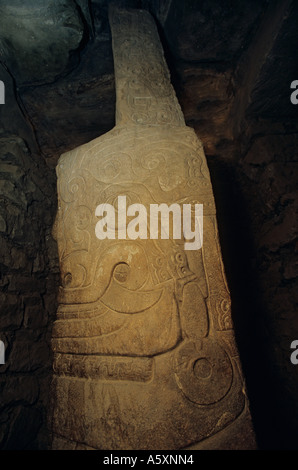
[257, 214]
[232, 68]
[28, 282]
[28, 295]
[259, 221]
[267, 177]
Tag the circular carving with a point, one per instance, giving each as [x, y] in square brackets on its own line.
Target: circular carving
[223, 307]
[76, 184]
[168, 182]
[140, 118]
[202, 368]
[164, 116]
[75, 275]
[74, 188]
[181, 264]
[204, 374]
[121, 262]
[111, 168]
[121, 272]
[153, 160]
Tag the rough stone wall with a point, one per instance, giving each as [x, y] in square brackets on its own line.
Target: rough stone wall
[268, 193]
[28, 284]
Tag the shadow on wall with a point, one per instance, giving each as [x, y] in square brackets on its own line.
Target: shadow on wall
[28, 293]
[263, 342]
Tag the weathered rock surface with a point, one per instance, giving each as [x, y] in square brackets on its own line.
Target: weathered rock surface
[38, 38]
[27, 295]
[208, 32]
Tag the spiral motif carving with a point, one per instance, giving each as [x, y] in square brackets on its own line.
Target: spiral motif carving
[204, 374]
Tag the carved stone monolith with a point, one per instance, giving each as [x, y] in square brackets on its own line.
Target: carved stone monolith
[144, 349]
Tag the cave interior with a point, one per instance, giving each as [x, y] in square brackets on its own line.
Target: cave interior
[232, 63]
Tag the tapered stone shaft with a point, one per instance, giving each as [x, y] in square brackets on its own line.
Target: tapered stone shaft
[144, 349]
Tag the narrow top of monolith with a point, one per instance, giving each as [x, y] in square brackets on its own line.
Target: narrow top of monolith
[144, 93]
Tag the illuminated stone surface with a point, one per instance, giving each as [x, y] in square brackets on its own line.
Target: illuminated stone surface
[144, 350]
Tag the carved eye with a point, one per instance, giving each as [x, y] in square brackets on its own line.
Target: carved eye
[121, 272]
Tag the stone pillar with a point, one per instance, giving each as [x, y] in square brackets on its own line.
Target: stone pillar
[144, 350]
